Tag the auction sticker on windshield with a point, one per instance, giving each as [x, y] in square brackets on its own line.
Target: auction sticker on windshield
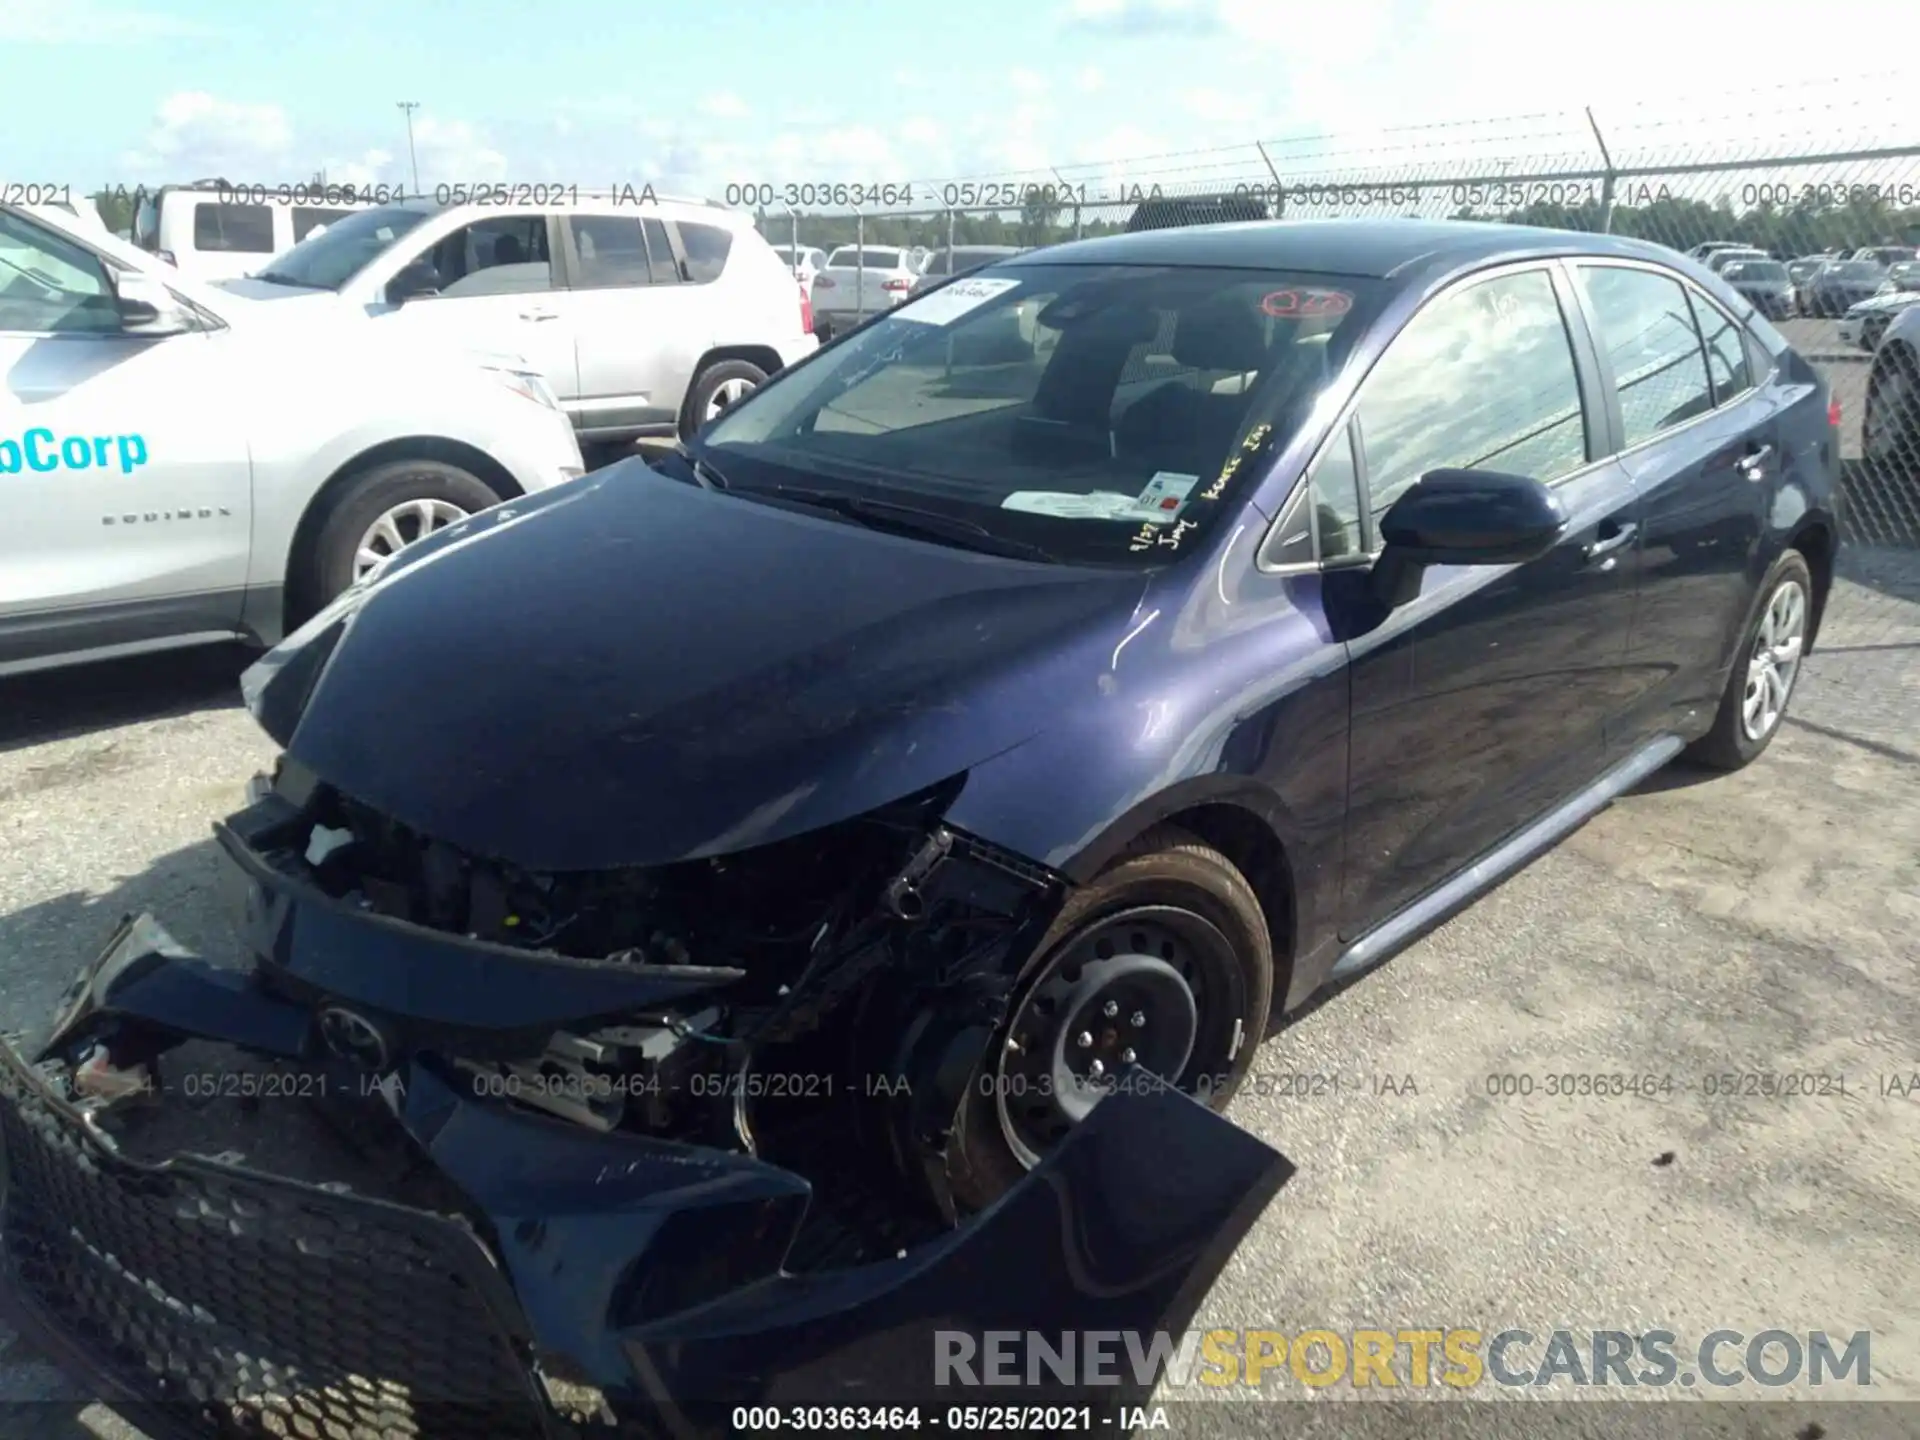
[950, 302]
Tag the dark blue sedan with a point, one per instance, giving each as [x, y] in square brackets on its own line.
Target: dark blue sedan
[783, 887]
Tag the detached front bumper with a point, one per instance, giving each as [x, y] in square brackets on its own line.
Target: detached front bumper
[564, 1282]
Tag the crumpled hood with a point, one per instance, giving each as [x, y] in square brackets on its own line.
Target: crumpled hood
[631, 671]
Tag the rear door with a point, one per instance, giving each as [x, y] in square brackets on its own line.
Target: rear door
[1699, 425]
[1487, 700]
[636, 321]
[126, 483]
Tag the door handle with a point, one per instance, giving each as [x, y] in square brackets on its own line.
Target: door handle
[1594, 549]
[1753, 465]
[537, 315]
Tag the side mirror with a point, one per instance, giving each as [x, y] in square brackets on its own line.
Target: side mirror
[1464, 517]
[148, 308]
[416, 279]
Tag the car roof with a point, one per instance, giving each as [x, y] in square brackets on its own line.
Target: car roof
[1376, 248]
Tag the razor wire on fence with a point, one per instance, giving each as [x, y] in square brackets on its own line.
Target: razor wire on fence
[1816, 190]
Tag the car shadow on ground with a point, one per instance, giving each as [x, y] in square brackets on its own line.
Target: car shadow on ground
[194, 892]
[56, 704]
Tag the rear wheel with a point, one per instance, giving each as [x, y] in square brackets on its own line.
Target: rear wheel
[717, 389]
[1162, 962]
[1771, 651]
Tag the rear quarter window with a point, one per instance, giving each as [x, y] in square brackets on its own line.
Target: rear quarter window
[707, 248]
[233, 229]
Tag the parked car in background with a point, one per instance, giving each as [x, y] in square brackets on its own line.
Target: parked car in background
[646, 319]
[943, 263]
[1706, 248]
[1887, 255]
[857, 282]
[1904, 274]
[1727, 255]
[182, 465]
[1890, 425]
[1180, 212]
[1764, 282]
[1866, 322]
[1033, 741]
[214, 231]
[807, 261]
[1800, 272]
[1839, 285]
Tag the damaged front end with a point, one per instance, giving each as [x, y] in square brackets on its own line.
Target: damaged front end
[469, 1150]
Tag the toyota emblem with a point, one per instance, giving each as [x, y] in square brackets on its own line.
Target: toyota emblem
[354, 1037]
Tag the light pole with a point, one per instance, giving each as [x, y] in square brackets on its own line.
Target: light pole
[408, 107]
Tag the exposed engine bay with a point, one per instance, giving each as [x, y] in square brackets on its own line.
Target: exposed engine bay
[821, 993]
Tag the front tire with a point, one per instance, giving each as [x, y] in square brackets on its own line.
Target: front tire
[375, 514]
[1772, 649]
[1163, 961]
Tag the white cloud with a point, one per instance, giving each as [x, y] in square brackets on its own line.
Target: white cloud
[196, 135]
[724, 105]
[1090, 79]
[1186, 18]
[82, 22]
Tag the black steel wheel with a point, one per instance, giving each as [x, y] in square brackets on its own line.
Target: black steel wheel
[1163, 964]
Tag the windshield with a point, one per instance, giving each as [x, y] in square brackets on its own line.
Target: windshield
[1854, 270]
[1755, 270]
[1102, 414]
[329, 258]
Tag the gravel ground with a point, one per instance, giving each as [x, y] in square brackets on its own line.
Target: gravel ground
[1762, 924]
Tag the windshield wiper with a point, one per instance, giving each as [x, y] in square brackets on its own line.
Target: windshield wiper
[275, 277]
[909, 520]
[704, 472]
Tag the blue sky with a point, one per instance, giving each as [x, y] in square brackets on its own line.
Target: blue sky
[694, 97]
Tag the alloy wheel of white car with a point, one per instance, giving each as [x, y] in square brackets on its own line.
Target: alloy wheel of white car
[399, 527]
[726, 395]
[1775, 660]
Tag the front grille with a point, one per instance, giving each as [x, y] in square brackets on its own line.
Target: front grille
[250, 1306]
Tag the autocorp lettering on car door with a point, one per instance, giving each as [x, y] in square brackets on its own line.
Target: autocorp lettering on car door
[40, 450]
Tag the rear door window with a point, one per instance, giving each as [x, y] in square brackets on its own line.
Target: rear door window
[1727, 365]
[233, 229]
[1647, 331]
[612, 251]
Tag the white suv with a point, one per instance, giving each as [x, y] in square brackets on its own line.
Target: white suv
[181, 465]
[647, 317]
